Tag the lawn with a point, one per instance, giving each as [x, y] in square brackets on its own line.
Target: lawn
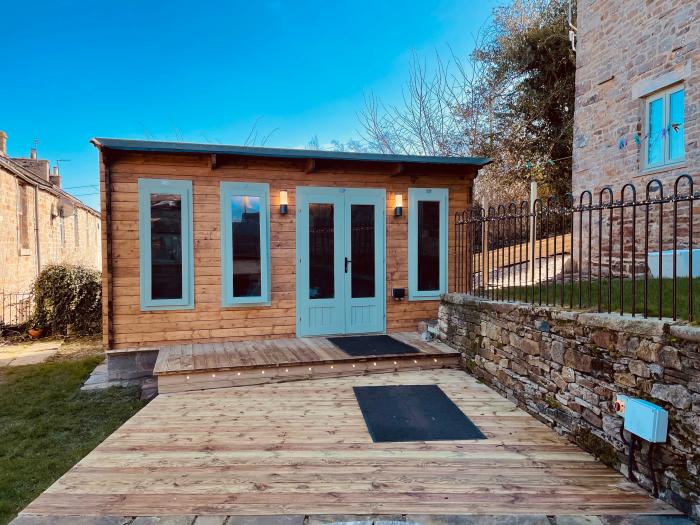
[47, 425]
[554, 294]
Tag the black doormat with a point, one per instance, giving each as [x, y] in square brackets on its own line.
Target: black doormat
[413, 413]
[370, 345]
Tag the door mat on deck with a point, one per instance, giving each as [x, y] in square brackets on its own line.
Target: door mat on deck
[413, 413]
[371, 345]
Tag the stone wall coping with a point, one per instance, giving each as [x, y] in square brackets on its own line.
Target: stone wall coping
[611, 321]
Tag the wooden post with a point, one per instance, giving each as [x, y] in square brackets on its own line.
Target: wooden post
[533, 225]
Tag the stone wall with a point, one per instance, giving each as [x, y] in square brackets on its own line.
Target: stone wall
[566, 367]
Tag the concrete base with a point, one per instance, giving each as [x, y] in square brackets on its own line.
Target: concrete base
[131, 365]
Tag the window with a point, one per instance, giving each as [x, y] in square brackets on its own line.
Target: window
[23, 216]
[166, 244]
[427, 243]
[245, 249]
[665, 128]
[62, 225]
[75, 228]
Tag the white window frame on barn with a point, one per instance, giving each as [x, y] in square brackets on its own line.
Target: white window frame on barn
[666, 139]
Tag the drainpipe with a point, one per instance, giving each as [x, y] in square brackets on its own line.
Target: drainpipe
[36, 230]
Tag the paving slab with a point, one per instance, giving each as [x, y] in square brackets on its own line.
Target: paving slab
[431, 519]
[71, 520]
[266, 520]
[577, 520]
[210, 520]
[355, 519]
[163, 520]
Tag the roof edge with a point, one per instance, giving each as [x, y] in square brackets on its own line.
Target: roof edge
[256, 151]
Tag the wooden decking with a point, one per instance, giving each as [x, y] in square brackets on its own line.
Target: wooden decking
[219, 365]
[303, 448]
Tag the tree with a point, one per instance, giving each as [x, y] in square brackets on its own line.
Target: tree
[511, 99]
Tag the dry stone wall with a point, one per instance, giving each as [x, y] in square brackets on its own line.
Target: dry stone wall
[565, 368]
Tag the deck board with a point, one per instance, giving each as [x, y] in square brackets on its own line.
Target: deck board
[303, 448]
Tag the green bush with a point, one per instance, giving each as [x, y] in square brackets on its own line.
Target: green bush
[66, 294]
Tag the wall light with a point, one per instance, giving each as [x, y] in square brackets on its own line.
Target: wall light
[283, 202]
[398, 205]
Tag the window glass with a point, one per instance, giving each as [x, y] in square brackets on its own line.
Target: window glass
[321, 251]
[245, 237]
[676, 127]
[362, 250]
[655, 151]
[166, 246]
[23, 217]
[428, 245]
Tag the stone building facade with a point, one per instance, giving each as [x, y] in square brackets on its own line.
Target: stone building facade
[637, 112]
[40, 223]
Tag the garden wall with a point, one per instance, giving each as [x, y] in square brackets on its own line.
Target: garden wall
[566, 367]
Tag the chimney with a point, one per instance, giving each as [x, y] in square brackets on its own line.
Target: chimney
[32, 153]
[3, 144]
[55, 177]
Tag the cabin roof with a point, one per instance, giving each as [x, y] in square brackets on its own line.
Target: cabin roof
[287, 153]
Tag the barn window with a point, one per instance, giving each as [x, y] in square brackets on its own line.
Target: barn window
[23, 217]
[166, 244]
[427, 243]
[245, 250]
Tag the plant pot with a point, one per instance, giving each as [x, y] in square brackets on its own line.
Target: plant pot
[36, 333]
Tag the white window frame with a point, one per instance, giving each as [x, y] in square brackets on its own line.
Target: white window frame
[665, 96]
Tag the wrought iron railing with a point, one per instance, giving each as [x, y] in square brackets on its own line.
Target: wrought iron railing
[628, 254]
[15, 308]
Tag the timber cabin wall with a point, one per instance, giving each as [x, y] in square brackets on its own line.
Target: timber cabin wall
[209, 321]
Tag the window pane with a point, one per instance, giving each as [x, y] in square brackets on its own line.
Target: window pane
[245, 231]
[362, 249]
[166, 246]
[676, 132]
[655, 152]
[321, 252]
[428, 245]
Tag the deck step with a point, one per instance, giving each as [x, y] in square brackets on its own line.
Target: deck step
[220, 365]
[278, 373]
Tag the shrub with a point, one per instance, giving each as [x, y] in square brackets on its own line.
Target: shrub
[66, 294]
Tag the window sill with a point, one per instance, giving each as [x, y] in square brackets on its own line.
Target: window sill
[425, 297]
[661, 169]
[156, 308]
[261, 304]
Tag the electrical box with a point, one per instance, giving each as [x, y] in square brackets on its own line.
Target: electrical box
[645, 419]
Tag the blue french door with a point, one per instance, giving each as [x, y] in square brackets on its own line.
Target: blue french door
[340, 260]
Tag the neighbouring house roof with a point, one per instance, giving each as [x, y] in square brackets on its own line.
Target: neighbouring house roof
[35, 180]
[286, 153]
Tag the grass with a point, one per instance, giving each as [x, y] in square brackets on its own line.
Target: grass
[571, 291]
[47, 425]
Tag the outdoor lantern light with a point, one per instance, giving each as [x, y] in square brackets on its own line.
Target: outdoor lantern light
[398, 205]
[283, 202]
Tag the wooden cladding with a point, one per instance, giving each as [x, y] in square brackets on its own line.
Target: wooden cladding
[129, 327]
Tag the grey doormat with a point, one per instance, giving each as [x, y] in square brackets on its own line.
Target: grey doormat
[413, 413]
[371, 345]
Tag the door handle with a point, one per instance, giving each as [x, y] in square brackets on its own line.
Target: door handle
[347, 261]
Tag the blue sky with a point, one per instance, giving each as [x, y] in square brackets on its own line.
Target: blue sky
[208, 71]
